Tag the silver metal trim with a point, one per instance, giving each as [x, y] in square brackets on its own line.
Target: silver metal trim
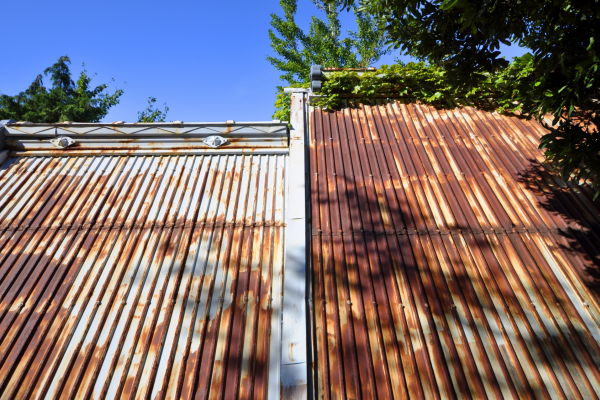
[294, 360]
[20, 136]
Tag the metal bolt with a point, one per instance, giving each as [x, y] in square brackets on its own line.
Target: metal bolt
[349, 302]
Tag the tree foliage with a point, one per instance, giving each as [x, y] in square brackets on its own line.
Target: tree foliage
[463, 38]
[428, 83]
[151, 114]
[66, 100]
[323, 45]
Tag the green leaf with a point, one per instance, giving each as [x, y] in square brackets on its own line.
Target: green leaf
[447, 4]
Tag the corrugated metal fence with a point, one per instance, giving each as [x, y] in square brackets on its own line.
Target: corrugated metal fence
[139, 277]
[448, 262]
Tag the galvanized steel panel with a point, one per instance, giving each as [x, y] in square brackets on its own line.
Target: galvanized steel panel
[448, 259]
[140, 277]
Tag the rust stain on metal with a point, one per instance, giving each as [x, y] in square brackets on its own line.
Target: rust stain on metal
[137, 276]
[448, 259]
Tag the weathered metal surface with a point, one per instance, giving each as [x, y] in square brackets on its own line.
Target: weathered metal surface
[124, 151]
[448, 260]
[294, 349]
[184, 136]
[140, 277]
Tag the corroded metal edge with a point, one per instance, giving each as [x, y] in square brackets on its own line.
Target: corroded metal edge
[147, 152]
[110, 137]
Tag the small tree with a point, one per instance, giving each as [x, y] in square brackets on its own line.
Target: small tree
[151, 114]
[65, 101]
[323, 45]
[464, 36]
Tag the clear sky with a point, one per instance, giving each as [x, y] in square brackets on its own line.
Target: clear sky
[205, 59]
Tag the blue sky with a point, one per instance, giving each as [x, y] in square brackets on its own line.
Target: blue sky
[205, 59]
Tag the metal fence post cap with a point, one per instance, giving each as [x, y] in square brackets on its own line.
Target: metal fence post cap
[315, 86]
[316, 73]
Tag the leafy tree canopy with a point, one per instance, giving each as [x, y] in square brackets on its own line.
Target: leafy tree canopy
[563, 72]
[151, 114]
[64, 101]
[324, 45]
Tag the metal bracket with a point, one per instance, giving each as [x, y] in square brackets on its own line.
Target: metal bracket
[62, 142]
[215, 141]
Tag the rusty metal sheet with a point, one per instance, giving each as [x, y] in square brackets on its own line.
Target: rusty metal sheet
[448, 259]
[140, 276]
